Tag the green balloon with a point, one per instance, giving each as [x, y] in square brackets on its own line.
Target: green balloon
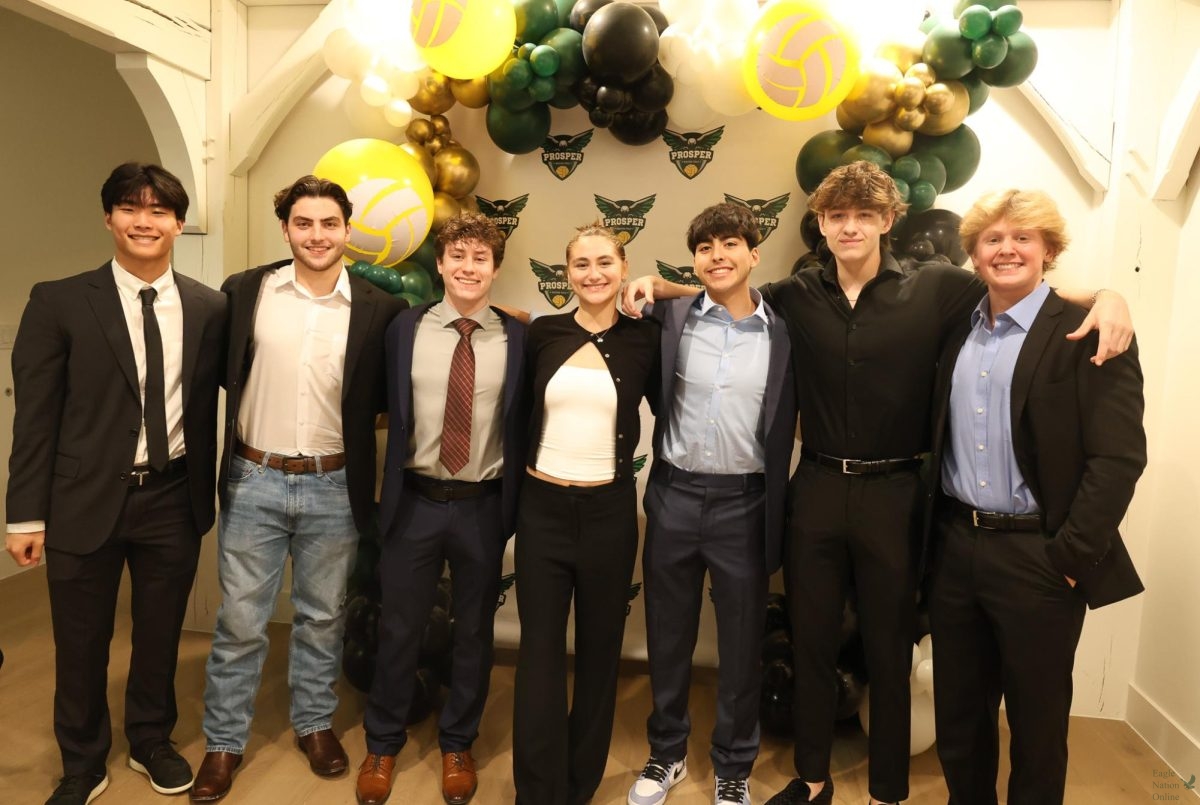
[977, 91]
[902, 187]
[415, 280]
[564, 12]
[544, 60]
[1017, 65]
[525, 50]
[517, 74]
[921, 196]
[947, 52]
[989, 51]
[1007, 20]
[535, 19]
[991, 5]
[518, 131]
[501, 93]
[359, 268]
[569, 44]
[928, 24]
[412, 299]
[906, 169]
[563, 98]
[933, 170]
[543, 88]
[975, 22]
[867, 153]
[425, 255]
[384, 278]
[959, 151]
[821, 154]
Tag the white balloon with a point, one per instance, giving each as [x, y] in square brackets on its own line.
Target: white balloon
[345, 55]
[682, 12]
[917, 656]
[687, 110]
[403, 84]
[926, 646]
[398, 112]
[366, 121]
[374, 90]
[673, 48]
[725, 91]
[924, 676]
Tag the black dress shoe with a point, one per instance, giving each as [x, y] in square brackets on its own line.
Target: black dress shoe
[78, 789]
[797, 793]
[168, 772]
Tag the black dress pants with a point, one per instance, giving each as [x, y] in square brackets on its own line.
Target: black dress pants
[1005, 623]
[572, 543]
[467, 533]
[156, 536]
[861, 527]
[698, 525]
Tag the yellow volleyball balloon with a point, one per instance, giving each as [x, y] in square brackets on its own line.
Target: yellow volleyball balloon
[799, 62]
[464, 38]
[392, 197]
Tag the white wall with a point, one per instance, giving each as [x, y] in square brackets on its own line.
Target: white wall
[69, 120]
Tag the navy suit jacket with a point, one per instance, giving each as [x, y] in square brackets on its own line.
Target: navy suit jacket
[1079, 443]
[79, 406]
[371, 310]
[779, 410]
[401, 336]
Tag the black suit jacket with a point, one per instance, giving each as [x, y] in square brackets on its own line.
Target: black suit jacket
[400, 338]
[79, 406]
[1079, 443]
[779, 410]
[371, 310]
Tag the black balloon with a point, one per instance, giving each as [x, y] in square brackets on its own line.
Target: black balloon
[358, 665]
[587, 90]
[660, 19]
[639, 128]
[613, 99]
[654, 90]
[424, 695]
[436, 638]
[600, 118]
[777, 613]
[927, 235]
[775, 700]
[851, 690]
[583, 10]
[620, 42]
[777, 645]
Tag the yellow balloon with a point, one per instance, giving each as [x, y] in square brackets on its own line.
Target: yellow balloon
[937, 123]
[457, 171]
[886, 135]
[464, 38]
[392, 198]
[799, 62]
[870, 100]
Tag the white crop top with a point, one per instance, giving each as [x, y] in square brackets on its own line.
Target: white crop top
[580, 420]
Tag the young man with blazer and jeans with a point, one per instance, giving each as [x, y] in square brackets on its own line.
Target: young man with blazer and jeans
[304, 384]
[113, 464]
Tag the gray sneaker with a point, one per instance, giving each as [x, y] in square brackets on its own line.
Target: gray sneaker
[655, 781]
[731, 792]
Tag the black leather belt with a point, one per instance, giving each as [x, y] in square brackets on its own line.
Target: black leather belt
[994, 521]
[852, 466]
[144, 474]
[444, 491]
[669, 473]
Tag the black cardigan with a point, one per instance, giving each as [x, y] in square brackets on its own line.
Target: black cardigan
[630, 349]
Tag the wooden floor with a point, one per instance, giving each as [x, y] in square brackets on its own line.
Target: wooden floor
[1109, 762]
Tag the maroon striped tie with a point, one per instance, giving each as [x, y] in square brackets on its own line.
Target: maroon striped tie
[460, 393]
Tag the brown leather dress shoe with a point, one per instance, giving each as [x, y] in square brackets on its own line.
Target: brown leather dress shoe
[324, 752]
[215, 777]
[458, 777]
[375, 779]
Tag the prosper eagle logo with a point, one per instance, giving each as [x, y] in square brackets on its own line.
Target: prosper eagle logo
[563, 153]
[691, 151]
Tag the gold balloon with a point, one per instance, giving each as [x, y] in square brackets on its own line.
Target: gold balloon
[457, 171]
[471, 92]
[419, 130]
[938, 98]
[436, 143]
[847, 121]
[886, 135]
[469, 203]
[434, 96]
[937, 123]
[904, 51]
[909, 119]
[909, 93]
[444, 208]
[418, 152]
[870, 98]
[441, 124]
[922, 71]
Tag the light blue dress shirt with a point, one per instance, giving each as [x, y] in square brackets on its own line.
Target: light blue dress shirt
[715, 423]
[979, 466]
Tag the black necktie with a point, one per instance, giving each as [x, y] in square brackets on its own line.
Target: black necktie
[154, 411]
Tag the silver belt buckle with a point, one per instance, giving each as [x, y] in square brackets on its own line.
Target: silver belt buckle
[846, 467]
[141, 475]
[975, 517]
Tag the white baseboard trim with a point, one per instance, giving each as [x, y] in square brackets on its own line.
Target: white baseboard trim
[1174, 745]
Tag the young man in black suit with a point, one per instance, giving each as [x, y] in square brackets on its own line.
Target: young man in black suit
[113, 464]
[1039, 452]
[304, 383]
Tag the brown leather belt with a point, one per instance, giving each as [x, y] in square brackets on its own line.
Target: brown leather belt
[994, 521]
[296, 465]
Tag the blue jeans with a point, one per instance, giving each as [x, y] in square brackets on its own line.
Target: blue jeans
[270, 515]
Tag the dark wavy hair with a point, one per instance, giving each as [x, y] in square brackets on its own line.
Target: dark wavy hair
[311, 187]
[132, 182]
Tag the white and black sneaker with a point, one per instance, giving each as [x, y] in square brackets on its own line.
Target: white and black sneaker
[78, 789]
[655, 781]
[731, 792]
[168, 772]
